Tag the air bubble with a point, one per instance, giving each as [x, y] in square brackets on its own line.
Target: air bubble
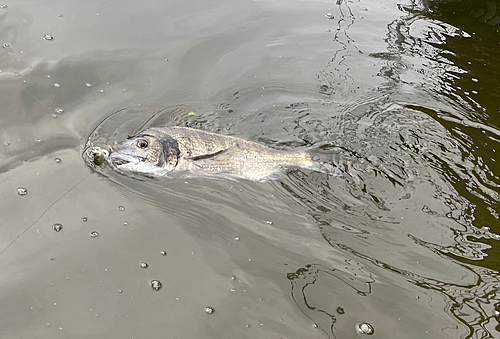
[269, 222]
[48, 37]
[94, 234]
[56, 85]
[6, 46]
[57, 160]
[144, 264]
[156, 285]
[340, 310]
[84, 219]
[209, 310]
[6, 143]
[125, 223]
[4, 6]
[163, 253]
[22, 190]
[237, 238]
[329, 16]
[88, 85]
[365, 328]
[121, 208]
[101, 91]
[59, 110]
[57, 227]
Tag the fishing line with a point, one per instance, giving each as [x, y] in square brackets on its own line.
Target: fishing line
[44, 212]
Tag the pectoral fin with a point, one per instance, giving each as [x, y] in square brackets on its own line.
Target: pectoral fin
[222, 161]
[208, 156]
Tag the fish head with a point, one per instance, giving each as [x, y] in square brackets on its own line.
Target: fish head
[146, 154]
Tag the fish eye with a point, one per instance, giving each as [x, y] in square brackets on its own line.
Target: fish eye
[141, 143]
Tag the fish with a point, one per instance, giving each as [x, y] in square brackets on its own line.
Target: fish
[186, 152]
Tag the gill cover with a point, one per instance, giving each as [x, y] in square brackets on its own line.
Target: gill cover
[170, 152]
[168, 148]
[149, 153]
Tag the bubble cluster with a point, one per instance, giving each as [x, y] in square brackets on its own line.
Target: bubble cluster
[209, 310]
[59, 110]
[163, 253]
[144, 264]
[22, 190]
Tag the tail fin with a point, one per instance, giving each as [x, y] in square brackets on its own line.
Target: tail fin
[327, 168]
[324, 160]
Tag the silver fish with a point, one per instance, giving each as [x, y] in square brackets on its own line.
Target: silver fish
[187, 152]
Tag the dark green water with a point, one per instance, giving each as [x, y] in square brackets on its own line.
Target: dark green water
[406, 243]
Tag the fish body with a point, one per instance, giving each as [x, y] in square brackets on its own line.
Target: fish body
[187, 152]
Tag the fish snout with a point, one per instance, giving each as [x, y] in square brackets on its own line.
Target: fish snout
[119, 159]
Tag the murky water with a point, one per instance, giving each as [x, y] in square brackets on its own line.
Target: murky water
[404, 245]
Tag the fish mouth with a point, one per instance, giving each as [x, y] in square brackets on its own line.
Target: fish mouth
[119, 159]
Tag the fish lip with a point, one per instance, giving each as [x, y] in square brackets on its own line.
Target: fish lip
[119, 159]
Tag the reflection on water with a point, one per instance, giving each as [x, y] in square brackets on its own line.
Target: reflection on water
[424, 152]
[416, 178]
[349, 283]
[404, 95]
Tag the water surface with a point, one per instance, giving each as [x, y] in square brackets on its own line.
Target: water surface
[406, 241]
